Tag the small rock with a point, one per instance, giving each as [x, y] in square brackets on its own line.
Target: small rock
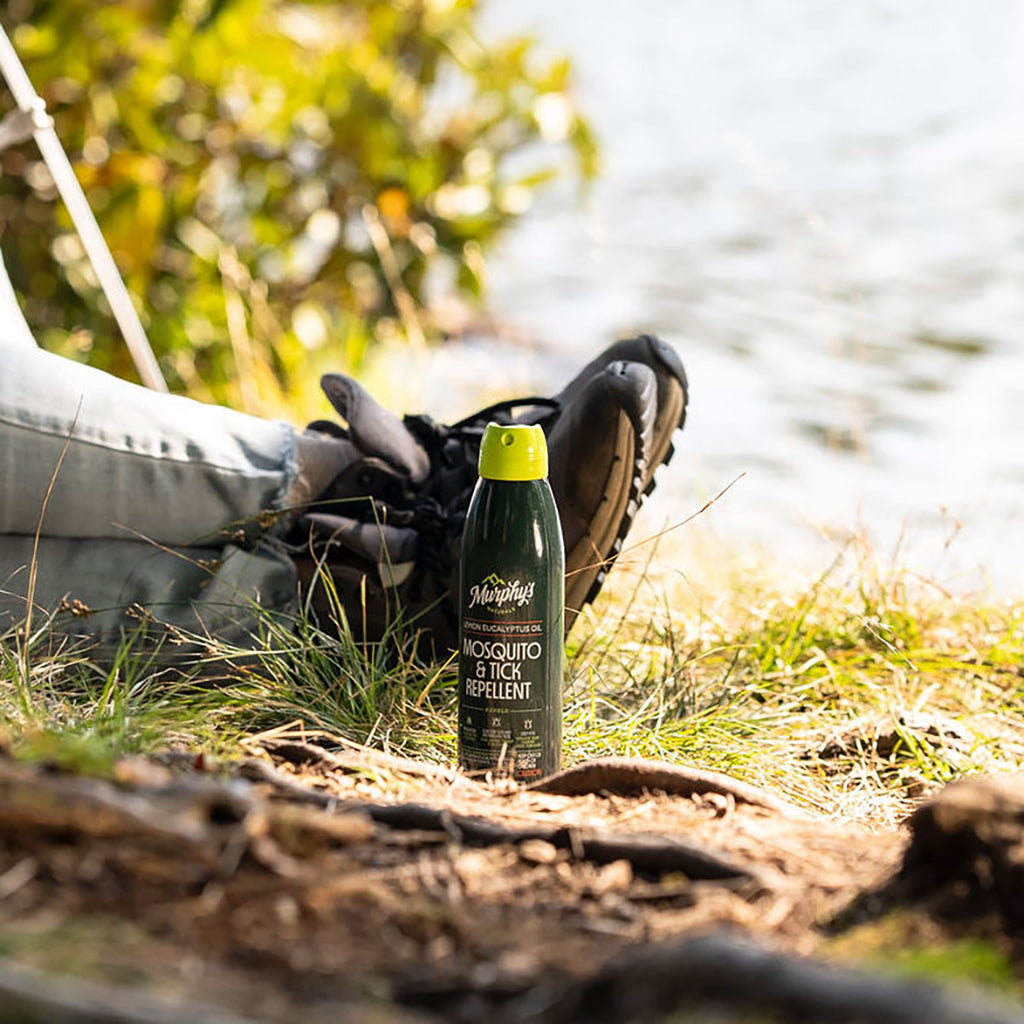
[287, 911]
[537, 851]
[140, 772]
[612, 877]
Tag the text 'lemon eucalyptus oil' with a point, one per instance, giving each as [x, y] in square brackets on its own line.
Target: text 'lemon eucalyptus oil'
[511, 611]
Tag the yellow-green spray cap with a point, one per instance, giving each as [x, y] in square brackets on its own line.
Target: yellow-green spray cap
[513, 453]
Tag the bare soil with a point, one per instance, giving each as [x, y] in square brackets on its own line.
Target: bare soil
[311, 884]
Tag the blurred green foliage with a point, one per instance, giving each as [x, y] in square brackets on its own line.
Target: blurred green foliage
[274, 177]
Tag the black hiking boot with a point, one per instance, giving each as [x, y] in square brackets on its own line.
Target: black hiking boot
[598, 464]
[382, 542]
[673, 392]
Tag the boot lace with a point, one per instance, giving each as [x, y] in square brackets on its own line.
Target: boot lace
[453, 450]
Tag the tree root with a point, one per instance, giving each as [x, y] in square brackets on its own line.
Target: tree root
[649, 855]
[626, 776]
[725, 972]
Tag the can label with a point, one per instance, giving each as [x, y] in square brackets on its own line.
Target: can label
[504, 662]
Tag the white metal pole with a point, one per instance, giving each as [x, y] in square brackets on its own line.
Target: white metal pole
[81, 215]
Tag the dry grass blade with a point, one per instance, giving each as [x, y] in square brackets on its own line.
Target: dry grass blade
[33, 569]
[653, 538]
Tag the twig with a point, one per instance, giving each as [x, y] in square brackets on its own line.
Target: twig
[362, 759]
[233, 278]
[404, 302]
[661, 533]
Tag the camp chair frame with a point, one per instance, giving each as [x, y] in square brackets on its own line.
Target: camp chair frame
[30, 120]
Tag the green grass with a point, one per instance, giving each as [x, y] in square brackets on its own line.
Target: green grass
[744, 677]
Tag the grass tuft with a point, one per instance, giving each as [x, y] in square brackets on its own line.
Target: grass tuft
[855, 692]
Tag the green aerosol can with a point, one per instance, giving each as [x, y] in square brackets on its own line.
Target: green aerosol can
[511, 611]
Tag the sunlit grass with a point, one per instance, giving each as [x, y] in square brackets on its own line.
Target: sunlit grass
[83, 714]
[854, 693]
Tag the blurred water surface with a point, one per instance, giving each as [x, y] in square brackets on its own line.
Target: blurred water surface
[822, 206]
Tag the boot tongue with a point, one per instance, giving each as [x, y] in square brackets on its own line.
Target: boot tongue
[375, 430]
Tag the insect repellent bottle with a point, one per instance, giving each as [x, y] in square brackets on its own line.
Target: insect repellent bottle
[511, 611]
